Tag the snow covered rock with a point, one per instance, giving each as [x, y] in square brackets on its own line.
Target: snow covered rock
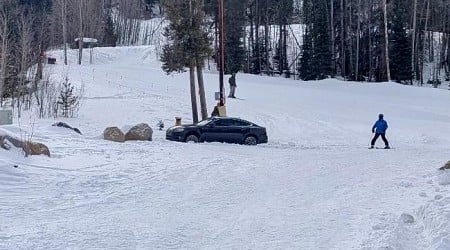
[65, 125]
[29, 147]
[140, 132]
[36, 148]
[114, 134]
[12, 140]
[446, 166]
[444, 178]
[407, 218]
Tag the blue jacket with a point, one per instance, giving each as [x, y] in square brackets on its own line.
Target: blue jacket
[380, 126]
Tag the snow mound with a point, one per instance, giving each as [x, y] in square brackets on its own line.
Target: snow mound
[444, 177]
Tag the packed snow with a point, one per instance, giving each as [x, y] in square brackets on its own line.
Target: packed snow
[315, 185]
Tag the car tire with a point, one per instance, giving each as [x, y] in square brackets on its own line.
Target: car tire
[250, 140]
[192, 138]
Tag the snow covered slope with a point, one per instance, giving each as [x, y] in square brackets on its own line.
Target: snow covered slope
[315, 185]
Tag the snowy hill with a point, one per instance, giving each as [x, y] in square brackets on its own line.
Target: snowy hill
[315, 185]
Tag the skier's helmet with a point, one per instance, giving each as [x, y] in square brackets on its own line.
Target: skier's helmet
[380, 116]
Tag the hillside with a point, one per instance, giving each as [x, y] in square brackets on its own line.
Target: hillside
[315, 185]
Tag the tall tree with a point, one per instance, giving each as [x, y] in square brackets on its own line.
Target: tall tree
[400, 44]
[188, 44]
[316, 47]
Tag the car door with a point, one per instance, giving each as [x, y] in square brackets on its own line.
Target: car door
[241, 129]
[221, 130]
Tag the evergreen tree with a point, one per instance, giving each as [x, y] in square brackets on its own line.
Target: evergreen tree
[284, 10]
[188, 45]
[315, 63]
[321, 41]
[400, 45]
[305, 67]
[234, 34]
[109, 33]
[68, 101]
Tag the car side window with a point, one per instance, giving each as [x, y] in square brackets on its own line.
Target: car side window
[224, 122]
[241, 123]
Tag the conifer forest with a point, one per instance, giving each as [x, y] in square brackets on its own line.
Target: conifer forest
[356, 40]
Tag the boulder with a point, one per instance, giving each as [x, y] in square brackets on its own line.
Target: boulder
[140, 132]
[3, 144]
[446, 166]
[29, 147]
[36, 148]
[114, 134]
[14, 141]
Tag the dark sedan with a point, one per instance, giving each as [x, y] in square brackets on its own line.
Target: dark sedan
[219, 129]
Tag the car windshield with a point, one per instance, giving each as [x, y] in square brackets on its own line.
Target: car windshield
[204, 122]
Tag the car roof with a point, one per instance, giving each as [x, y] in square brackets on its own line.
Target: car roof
[228, 117]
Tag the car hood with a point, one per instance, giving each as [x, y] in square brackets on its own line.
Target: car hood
[183, 126]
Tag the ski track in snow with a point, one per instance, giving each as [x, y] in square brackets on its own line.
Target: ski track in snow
[315, 185]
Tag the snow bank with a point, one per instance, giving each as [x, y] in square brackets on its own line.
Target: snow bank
[315, 185]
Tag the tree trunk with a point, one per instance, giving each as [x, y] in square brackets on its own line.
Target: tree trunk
[285, 58]
[342, 40]
[201, 91]
[193, 92]
[266, 38]
[350, 37]
[386, 41]
[358, 32]
[258, 49]
[4, 36]
[413, 44]
[333, 54]
[80, 41]
[424, 40]
[370, 41]
[251, 42]
[64, 26]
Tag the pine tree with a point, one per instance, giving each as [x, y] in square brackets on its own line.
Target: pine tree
[234, 27]
[400, 45]
[315, 63]
[305, 67]
[284, 10]
[109, 33]
[68, 101]
[188, 45]
[321, 41]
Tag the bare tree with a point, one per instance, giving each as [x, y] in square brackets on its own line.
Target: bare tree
[413, 37]
[358, 31]
[332, 35]
[25, 28]
[386, 41]
[5, 40]
[80, 40]
[64, 27]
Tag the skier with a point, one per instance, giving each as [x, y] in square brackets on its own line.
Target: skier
[379, 128]
[232, 82]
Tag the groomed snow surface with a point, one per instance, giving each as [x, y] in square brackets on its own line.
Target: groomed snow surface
[315, 185]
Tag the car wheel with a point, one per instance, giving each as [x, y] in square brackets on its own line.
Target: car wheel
[250, 140]
[192, 138]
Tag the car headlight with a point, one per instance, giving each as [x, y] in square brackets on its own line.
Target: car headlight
[178, 129]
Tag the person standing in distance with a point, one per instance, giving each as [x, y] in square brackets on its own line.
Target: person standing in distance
[232, 82]
[379, 128]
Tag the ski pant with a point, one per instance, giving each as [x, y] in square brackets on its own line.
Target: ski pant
[383, 136]
[232, 90]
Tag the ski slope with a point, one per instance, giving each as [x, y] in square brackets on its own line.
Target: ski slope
[315, 185]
